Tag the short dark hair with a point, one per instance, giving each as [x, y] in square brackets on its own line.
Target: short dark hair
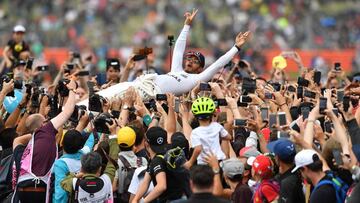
[317, 165]
[139, 131]
[236, 178]
[202, 176]
[7, 137]
[91, 162]
[73, 141]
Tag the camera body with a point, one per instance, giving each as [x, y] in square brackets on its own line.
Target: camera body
[100, 123]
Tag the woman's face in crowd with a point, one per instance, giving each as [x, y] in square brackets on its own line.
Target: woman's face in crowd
[112, 74]
[192, 65]
[278, 76]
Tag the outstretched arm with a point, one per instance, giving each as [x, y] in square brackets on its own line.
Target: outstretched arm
[209, 72]
[68, 109]
[179, 48]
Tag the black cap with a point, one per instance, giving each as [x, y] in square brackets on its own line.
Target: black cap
[198, 55]
[113, 62]
[157, 138]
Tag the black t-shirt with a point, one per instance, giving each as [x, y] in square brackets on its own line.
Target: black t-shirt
[242, 194]
[17, 48]
[290, 187]
[325, 193]
[173, 189]
[354, 194]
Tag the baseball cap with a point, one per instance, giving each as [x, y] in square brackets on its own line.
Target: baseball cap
[279, 62]
[304, 158]
[283, 148]
[19, 28]
[262, 166]
[248, 152]
[198, 55]
[126, 137]
[157, 138]
[178, 139]
[232, 167]
[113, 62]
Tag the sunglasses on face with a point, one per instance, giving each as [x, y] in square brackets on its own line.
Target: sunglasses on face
[193, 60]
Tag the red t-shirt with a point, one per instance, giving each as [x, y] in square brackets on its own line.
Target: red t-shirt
[268, 192]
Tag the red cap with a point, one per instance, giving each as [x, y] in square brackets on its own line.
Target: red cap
[262, 166]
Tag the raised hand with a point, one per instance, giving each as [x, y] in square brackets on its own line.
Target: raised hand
[241, 38]
[190, 16]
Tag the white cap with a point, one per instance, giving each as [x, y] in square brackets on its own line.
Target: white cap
[250, 160]
[303, 158]
[19, 28]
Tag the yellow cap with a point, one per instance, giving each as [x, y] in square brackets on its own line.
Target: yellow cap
[279, 62]
[126, 137]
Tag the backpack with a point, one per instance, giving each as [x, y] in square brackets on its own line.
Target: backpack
[6, 163]
[271, 183]
[125, 195]
[174, 159]
[339, 185]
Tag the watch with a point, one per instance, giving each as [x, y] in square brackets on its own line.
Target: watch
[216, 171]
[125, 107]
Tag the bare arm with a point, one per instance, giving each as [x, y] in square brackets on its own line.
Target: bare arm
[68, 108]
[143, 188]
[128, 67]
[158, 189]
[22, 140]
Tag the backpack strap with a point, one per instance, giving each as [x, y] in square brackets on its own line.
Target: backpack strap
[328, 182]
[125, 162]
[76, 192]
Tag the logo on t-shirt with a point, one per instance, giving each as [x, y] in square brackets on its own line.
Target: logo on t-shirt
[18, 47]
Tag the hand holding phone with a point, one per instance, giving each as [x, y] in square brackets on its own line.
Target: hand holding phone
[323, 104]
[337, 156]
[161, 97]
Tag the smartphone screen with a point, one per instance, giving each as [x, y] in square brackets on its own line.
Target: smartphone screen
[317, 77]
[337, 66]
[177, 105]
[340, 95]
[300, 92]
[295, 126]
[272, 120]
[291, 89]
[264, 113]
[281, 134]
[309, 94]
[245, 99]
[83, 73]
[204, 87]
[336, 111]
[91, 88]
[328, 125]
[282, 118]
[240, 122]
[305, 112]
[322, 106]
[268, 95]
[337, 156]
[161, 97]
[302, 82]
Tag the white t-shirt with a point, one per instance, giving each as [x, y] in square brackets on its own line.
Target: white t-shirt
[209, 138]
[136, 181]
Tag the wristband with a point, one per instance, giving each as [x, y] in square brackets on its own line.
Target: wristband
[216, 171]
[238, 48]
[112, 137]
[147, 120]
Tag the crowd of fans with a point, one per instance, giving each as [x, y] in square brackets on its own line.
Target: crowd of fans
[196, 134]
[98, 25]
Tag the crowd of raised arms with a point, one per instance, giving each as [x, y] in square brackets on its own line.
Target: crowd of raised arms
[220, 133]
